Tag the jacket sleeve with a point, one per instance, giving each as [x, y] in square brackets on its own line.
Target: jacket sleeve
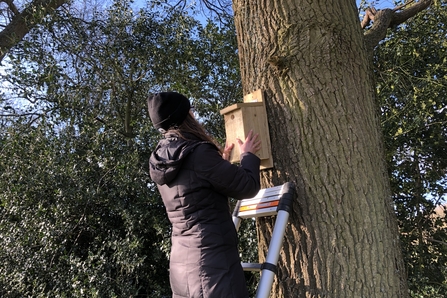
[239, 182]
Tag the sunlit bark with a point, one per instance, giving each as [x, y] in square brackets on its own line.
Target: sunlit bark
[311, 60]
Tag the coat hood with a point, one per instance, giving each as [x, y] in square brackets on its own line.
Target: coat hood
[167, 158]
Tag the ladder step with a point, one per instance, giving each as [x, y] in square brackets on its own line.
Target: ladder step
[277, 201]
[260, 206]
[251, 266]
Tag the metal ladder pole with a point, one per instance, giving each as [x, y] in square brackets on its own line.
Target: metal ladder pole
[271, 201]
[269, 267]
[235, 215]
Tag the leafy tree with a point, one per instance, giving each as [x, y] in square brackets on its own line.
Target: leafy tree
[77, 219]
[80, 216]
[86, 79]
[412, 79]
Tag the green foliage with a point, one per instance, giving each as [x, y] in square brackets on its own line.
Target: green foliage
[80, 216]
[411, 69]
[78, 219]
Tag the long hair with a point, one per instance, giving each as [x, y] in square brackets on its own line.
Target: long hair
[191, 126]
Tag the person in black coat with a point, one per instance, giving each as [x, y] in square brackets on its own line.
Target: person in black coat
[195, 180]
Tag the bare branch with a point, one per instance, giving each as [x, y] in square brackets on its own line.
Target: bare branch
[24, 21]
[219, 8]
[386, 18]
[400, 17]
[11, 6]
[370, 13]
[402, 6]
[21, 115]
[436, 241]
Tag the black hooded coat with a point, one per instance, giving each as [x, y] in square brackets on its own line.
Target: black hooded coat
[195, 182]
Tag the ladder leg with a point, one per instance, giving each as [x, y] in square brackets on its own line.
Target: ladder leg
[266, 281]
[235, 216]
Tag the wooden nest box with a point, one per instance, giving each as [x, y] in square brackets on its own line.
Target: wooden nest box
[240, 118]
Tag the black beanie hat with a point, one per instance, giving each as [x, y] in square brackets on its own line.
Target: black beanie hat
[167, 109]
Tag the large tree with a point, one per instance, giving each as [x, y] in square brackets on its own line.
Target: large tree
[410, 69]
[79, 216]
[91, 99]
[315, 65]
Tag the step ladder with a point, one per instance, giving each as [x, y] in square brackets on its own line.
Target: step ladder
[268, 202]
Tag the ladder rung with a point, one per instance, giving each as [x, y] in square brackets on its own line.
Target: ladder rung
[259, 206]
[258, 212]
[251, 266]
[267, 192]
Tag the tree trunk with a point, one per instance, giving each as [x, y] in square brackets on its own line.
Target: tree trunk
[310, 58]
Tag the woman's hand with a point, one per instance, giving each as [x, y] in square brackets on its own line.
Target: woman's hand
[252, 143]
[227, 151]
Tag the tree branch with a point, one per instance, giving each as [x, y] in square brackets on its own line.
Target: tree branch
[400, 17]
[386, 18]
[436, 241]
[370, 13]
[21, 115]
[24, 21]
[11, 6]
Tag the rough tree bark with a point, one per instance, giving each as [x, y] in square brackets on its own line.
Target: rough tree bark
[311, 59]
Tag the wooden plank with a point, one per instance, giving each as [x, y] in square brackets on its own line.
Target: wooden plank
[255, 96]
[258, 96]
[238, 106]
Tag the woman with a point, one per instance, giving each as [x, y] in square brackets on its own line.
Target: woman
[195, 180]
